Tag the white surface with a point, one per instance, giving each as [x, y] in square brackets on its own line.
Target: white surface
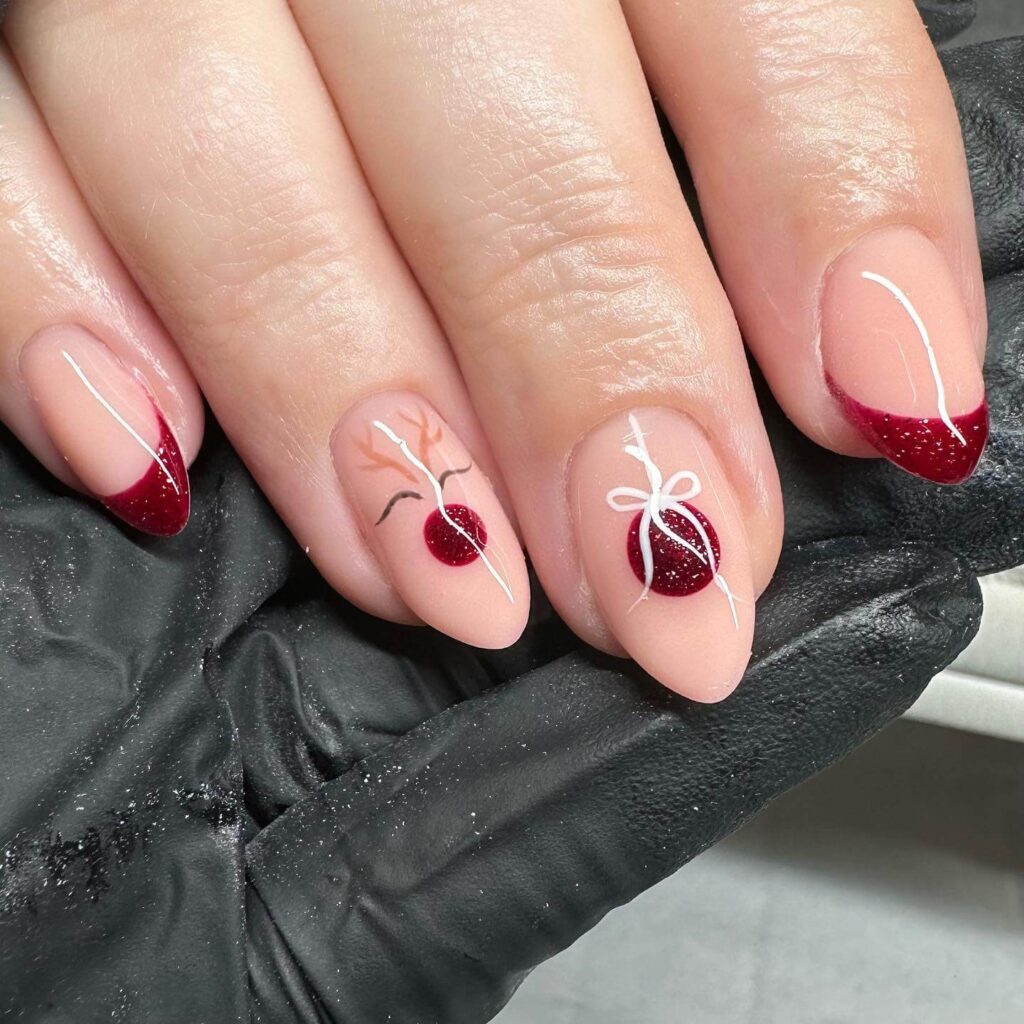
[969, 702]
[983, 691]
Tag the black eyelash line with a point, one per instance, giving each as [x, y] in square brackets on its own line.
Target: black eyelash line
[394, 500]
[397, 497]
[452, 472]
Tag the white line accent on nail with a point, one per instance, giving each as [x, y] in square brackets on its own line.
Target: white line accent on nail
[121, 420]
[438, 495]
[940, 390]
[652, 503]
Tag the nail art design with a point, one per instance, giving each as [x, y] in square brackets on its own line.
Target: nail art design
[898, 355]
[105, 422]
[922, 445]
[943, 448]
[159, 501]
[933, 366]
[671, 546]
[454, 533]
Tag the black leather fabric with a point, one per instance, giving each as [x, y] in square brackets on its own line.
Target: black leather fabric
[228, 796]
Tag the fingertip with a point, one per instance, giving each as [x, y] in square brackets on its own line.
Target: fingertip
[665, 550]
[433, 519]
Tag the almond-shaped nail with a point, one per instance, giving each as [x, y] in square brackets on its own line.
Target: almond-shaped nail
[899, 356]
[664, 549]
[103, 420]
[431, 515]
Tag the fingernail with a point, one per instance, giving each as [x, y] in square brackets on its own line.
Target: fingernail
[103, 420]
[899, 357]
[432, 517]
[664, 549]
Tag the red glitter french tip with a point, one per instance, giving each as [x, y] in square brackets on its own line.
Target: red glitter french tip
[922, 445]
[103, 420]
[898, 354]
[160, 501]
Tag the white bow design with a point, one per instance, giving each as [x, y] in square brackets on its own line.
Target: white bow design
[652, 503]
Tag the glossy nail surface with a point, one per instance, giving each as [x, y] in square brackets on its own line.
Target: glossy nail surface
[899, 356]
[103, 420]
[432, 517]
[664, 549]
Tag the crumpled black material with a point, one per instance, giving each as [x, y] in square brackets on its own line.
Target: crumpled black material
[226, 796]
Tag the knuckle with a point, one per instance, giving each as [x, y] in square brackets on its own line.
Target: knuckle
[282, 274]
[566, 249]
[270, 249]
[833, 76]
[799, 41]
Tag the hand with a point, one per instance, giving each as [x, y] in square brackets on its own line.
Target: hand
[405, 799]
[405, 249]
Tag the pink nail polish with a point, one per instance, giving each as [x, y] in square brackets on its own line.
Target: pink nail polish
[103, 420]
[899, 356]
[664, 549]
[432, 517]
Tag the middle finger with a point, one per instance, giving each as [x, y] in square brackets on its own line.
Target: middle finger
[516, 156]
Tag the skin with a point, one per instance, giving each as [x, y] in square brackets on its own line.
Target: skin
[471, 202]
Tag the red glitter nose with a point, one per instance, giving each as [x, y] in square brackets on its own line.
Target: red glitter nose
[446, 543]
[677, 570]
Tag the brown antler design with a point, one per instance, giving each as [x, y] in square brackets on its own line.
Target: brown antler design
[427, 438]
[378, 460]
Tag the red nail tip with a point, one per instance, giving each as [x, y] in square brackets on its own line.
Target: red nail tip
[159, 502]
[924, 446]
[446, 543]
[677, 570]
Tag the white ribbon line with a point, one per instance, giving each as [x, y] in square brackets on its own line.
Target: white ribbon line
[940, 390]
[132, 432]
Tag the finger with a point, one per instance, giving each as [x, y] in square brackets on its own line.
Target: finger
[982, 519]
[526, 181]
[622, 787]
[827, 154]
[89, 380]
[244, 214]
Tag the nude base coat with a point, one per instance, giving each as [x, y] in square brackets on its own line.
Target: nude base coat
[106, 425]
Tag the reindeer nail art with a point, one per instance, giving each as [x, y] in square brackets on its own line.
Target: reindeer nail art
[429, 510]
[454, 533]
